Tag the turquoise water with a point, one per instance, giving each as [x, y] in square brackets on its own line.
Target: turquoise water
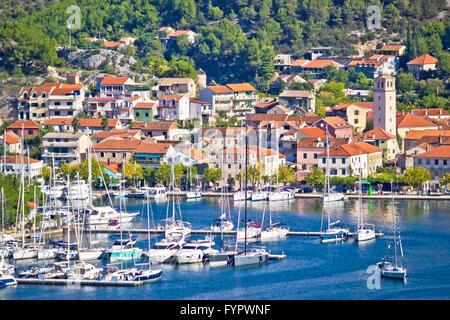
[311, 270]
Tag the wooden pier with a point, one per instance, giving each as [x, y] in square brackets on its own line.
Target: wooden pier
[225, 233]
[74, 283]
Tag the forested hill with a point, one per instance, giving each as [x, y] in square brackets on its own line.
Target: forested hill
[241, 35]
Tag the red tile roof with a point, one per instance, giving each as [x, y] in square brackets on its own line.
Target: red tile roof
[10, 137]
[153, 148]
[418, 134]
[424, 59]
[27, 124]
[320, 64]
[439, 152]
[154, 125]
[18, 159]
[172, 97]
[97, 123]
[129, 144]
[239, 87]
[313, 132]
[367, 105]
[431, 112]
[114, 80]
[376, 134]
[299, 62]
[409, 120]
[220, 89]
[179, 33]
[144, 105]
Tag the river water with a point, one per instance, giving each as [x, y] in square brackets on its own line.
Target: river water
[311, 270]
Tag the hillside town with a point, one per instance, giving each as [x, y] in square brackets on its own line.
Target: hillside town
[196, 122]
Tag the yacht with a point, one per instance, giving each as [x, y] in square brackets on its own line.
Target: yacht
[240, 195]
[259, 196]
[54, 192]
[253, 232]
[102, 215]
[77, 190]
[123, 249]
[193, 194]
[397, 268]
[29, 251]
[84, 271]
[251, 256]
[6, 274]
[364, 231]
[195, 251]
[157, 193]
[221, 224]
[275, 231]
[222, 258]
[333, 196]
[164, 250]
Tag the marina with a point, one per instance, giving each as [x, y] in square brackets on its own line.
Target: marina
[299, 263]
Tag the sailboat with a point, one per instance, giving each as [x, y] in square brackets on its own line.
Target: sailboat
[135, 273]
[123, 248]
[395, 269]
[192, 193]
[171, 225]
[330, 196]
[275, 231]
[364, 231]
[224, 222]
[27, 251]
[254, 255]
[334, 232]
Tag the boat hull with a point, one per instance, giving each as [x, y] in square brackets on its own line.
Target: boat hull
[124, 254]
[241, 260]
[364, 235]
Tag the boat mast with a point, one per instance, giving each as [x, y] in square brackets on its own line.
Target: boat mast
[245, 206]
[3, 213]
[148, 220]
[394, 225]
[120, 223]
[326, 173]
[23, 191]
[360, 217]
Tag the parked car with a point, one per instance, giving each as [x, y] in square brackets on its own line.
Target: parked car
[340, 189]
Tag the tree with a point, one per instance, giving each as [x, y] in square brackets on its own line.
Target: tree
[45, 173]
[286, 174]
[415, 177]
[315, 177]
[132, 172]
[76, 124]
[163, 174]
[97, 169]
[212, 175]
[445, 180]
[105, 123]
[405, 82]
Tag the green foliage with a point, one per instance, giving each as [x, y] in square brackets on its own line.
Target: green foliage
[212, 175]
[416, 176]
[445, 180]
[132, 172]
[315, 177]
[163, 174]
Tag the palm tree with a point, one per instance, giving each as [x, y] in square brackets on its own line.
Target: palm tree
[76, 124]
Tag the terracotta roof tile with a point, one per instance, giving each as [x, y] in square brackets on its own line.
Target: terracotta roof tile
[18, 159]
[114, 80]
[439, 152]
[220, 89]
[376, 134]
[424, 59]
[239, 87]
[409, 120]
[320, 64]
[27, 124]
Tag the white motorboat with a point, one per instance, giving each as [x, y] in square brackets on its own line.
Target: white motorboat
[280, 196]
[84, 271]
[55, 192]
[77, 190]
[157, 193]
[88, 254]
[164, 250]
[195, 251]
[123, 249]
[193, 194]
[6, 274]
[102, 215]
[333, 234]
[333, 196]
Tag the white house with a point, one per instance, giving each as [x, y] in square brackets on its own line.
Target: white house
[13, 165]
[174, 107]
[66, 101]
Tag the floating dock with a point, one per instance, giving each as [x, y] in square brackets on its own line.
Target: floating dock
[225, 233]
[74, 283]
